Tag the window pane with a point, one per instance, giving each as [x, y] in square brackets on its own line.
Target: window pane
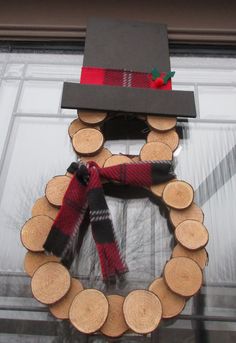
[39, 149]
[217, 102]
[40, 97]
[14, 70]
[54, 71]
[8, 92]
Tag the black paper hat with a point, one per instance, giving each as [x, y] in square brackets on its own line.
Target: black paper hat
[127, 46]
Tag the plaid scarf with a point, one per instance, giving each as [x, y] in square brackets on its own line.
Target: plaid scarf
[84, 203]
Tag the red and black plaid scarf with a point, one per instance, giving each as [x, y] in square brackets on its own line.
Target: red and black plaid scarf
[84, 202]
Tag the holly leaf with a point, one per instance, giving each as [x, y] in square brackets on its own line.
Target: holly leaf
[168, 76]
[155, 74]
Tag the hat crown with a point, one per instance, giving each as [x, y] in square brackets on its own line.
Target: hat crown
[125, 45]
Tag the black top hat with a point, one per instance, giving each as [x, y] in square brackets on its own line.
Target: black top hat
[127, 47]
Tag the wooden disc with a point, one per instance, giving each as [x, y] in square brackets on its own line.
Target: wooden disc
[136, 159]
[158, 189]
[183, 276]
[155, 151]
[161, 123]
[33, 260]
[172, 304]
[56, 188]
[115, 324]
[61, 308]
[178, 194]
[43, 207]
[35, 231]
[100, 158]
[87, 142]
[117, 159]
[170, 138]
[75, 126]
[192, 212]
[89, 311]
[191, 234]
[142, 311]
[200, 256]
[50, 282]
[92, 117]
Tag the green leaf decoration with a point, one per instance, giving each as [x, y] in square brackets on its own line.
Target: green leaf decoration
[168, 76]
[155, 74]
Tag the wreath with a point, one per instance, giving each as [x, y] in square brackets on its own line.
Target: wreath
[76, 200]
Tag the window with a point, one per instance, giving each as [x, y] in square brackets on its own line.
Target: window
[35, 146]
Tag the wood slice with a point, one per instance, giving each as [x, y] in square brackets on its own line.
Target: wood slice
[69, 174]
[117, 159]
[192, 212]
[43, 207]
[142, 311]
[33, 260]
[100, 158]
[172, 304]
[115, 324]
[35, 231]
[178, 194]
[56, 189]
[88, 142]
[200, 256]
[50, 282]
[92, 117]
[155, 151]
[89, 311]
[61, 308]
[170, 138]
[191, 234]
[136, 159]
[183, 276]
[158, 189]
[75, 126]
[161, 123]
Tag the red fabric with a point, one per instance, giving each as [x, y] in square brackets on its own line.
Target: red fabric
[120, 78]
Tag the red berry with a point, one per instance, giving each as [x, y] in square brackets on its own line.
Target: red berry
[159, 82]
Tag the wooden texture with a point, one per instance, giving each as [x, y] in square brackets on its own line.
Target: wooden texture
[35, 231]
[87, 142]
[89, 311]
[43, 207]
[117, 159]
[99, 158]
[183, 276]
[158, 189]
[75, 126]
[155, 151]
[33, 260]
[142, 311]
[200, 256]
[191, 234]
[92, 117]
[50, 282]
[172, 304]
[178, 194]
[136, 159]
[192, 212]
[56, 188]
[115, 324]
[61, 308]
[170, 138]
[161, 123]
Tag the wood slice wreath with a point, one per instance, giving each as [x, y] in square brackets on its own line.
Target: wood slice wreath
[89, 310]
